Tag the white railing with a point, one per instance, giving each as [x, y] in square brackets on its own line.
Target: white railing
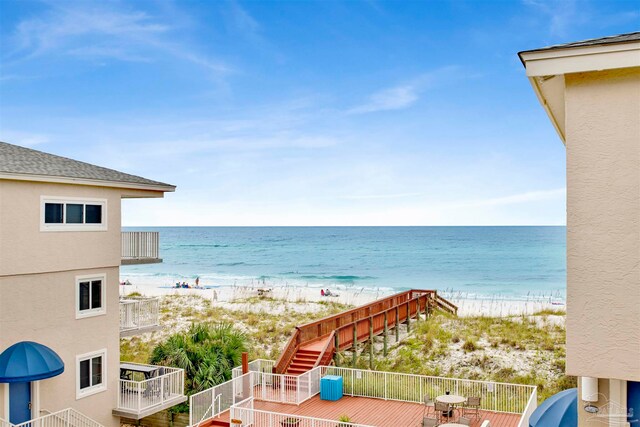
[496, 397]
[65, 418]
[213, 401]
[139, 313]
[531, 406]
[137, 396]
[257, 418]
[140, 244]
[292, 389]
[258, 365]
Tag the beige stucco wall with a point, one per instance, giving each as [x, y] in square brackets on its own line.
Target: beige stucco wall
[25, 249]
[37, 290]
[603, 224]
[41, 308]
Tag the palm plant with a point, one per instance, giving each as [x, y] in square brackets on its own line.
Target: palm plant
[206, 351]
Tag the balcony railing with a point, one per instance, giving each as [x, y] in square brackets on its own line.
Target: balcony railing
[66, 418]
[139, 315]
[140, 247]
[151, 389]
[517, 401]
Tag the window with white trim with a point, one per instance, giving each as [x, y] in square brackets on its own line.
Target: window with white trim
[91, 373]
[73, 214]
[91, 295]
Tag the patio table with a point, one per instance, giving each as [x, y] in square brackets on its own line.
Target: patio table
[452, 400]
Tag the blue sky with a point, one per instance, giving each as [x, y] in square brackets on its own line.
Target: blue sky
[300, 113]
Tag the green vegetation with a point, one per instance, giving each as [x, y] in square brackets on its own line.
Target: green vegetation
[521, 350]
[207, 352]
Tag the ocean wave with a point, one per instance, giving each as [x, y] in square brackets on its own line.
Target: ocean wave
[339, 278]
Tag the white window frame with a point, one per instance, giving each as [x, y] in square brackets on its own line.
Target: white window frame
[81, 314]
[81, 393]
[72, 227]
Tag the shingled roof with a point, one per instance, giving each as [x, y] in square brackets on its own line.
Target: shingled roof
[620, 38]
[16, 160]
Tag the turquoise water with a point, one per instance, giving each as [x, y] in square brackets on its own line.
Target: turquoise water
[511, 262]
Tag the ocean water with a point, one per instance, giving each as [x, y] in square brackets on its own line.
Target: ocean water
[473, 262]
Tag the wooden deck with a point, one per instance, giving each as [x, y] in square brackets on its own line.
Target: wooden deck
[375, 412]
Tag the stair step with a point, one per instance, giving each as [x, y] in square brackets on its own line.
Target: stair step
[303, 362]
[306, 356]
[309, 352]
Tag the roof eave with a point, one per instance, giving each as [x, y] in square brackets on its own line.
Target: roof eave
[546, 65]
[160, 187]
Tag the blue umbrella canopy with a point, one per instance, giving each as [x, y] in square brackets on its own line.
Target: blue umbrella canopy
[560, 410]
[29, 361]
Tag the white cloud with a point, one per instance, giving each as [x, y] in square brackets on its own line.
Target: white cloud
[101, 30]
[404, 95]
[394, 98]
[530, 196]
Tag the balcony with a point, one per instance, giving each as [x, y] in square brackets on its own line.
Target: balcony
[140, 247]
[146, 389]
[371, 398]
[139, 315]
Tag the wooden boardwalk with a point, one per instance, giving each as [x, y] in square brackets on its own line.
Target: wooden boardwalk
[374, 412]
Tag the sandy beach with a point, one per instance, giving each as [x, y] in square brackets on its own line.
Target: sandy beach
[228, 297]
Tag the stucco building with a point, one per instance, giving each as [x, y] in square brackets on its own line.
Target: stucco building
[60, 254]
[591, 93]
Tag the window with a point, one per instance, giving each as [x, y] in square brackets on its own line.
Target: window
[90, 296]
[91, 373]
[71, 214]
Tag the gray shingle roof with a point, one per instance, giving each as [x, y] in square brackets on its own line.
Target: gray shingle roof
[621, 38]
[25, 161]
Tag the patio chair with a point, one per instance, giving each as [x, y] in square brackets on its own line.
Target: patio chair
[442, 411]
[429, 404]
[472, 407]
[485, 423]
[429, 422]
[464, 421]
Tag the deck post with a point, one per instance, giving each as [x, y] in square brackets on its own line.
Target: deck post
[397, 324]
[408, 317]
[370, 342]
[426, 308]
[336, 338]
[355, 345]
[418, 310]
[385, 334]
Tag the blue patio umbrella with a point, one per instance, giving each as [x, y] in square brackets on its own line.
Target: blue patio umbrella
[560, 410]
[29, 361]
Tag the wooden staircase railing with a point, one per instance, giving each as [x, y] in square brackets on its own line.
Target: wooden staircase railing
[360, 322]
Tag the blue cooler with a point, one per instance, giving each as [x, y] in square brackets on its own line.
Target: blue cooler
[331, 387]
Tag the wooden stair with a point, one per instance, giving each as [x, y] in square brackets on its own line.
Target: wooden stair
[315, 343]
[303, 361]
